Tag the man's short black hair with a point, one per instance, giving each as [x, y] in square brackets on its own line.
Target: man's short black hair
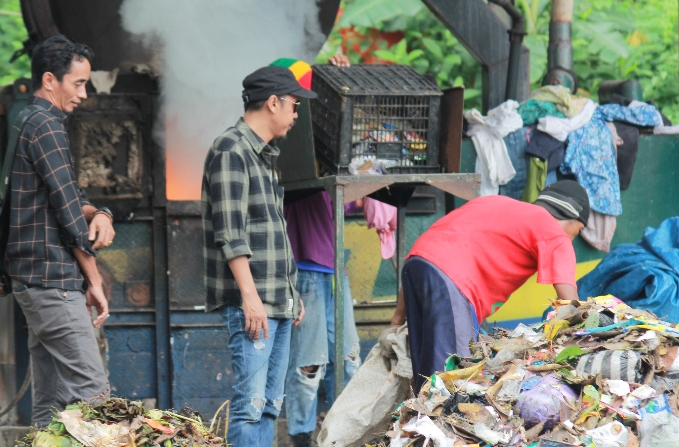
[255, 106]
[55, 55]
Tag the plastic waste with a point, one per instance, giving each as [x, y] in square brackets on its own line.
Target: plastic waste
[613, 434]
[617, 365]
[544, 401]
[659, 430]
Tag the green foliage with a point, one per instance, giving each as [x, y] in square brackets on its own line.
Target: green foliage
[12, 34]
[612, 39]
[570, 353]
[427, 46]
[368, 12]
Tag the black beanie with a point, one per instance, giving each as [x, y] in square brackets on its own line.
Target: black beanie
[565, 200]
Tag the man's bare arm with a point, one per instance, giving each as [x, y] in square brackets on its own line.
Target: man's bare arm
[255, 315]
[95, 293]
[566, 292]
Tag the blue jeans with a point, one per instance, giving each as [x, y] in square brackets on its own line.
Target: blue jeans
[259, 376]
[308, 349]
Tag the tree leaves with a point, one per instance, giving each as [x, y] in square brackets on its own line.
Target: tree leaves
[571, 352]
[372, 12]
[12, 34]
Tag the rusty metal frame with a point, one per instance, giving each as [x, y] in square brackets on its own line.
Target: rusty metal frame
[346, 188]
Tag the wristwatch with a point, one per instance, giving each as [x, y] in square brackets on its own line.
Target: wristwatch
[104, 210]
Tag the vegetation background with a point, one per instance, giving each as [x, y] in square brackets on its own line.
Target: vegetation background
[612, 39]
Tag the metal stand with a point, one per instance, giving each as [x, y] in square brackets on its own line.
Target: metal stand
[397, 189]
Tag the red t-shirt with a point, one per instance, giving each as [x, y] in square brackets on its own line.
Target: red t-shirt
[490, 246]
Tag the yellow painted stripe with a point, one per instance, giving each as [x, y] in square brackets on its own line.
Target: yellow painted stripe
[531, 299]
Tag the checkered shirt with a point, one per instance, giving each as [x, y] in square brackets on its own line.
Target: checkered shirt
[242, 209]
[46, 216]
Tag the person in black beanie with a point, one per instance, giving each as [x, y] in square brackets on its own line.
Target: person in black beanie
[477, 256]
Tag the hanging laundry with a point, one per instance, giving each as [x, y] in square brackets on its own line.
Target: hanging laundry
[664, 128]
[532, 110]
[578, 104]
[591, 158]
[600, 230]
[627, 152]
[546, 147]
[537, 177]
[516, 143]
[492, 160]
[382, 217]
[551, 178]
[559, 128]
[559, 95]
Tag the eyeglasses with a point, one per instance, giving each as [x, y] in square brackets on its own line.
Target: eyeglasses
[295, 104]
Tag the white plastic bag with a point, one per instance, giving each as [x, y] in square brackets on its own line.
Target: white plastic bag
[366, 404]
[659, 430]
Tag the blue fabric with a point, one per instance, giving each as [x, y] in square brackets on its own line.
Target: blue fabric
[259, 377]
[312, 266]
[517, 144]
[441, 321]
[644, 275]
[551, 178]
[313, 342]
[590, 154]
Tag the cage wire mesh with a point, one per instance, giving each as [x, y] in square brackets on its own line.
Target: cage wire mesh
[390, 128]
[386, 112]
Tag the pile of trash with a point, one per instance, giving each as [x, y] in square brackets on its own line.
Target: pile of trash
[116, 422]
[597, 373]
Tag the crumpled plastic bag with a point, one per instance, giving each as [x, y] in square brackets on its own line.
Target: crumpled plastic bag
[543, 402]
[659, 430]
[613, 434]
[94, 433]
[379, 385]
[425, 427]
[616, 365]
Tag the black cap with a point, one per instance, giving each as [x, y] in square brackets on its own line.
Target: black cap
[565, 199]
[267, 81]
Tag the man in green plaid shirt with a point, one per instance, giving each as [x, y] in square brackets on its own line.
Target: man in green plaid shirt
[250, 271]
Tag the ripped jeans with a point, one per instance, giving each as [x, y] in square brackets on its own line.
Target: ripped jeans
[259, 376]
[312, 345]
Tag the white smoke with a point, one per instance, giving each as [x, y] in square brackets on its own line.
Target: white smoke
[207, 47]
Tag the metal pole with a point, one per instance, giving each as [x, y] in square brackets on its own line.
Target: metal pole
[560, 49]
[160, 286]
[338, 199]
[516, 33]
[400, 243]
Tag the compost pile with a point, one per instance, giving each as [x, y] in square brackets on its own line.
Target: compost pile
[596, 373]
[116, 422]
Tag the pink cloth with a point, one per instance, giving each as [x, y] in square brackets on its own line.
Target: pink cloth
[382, 217]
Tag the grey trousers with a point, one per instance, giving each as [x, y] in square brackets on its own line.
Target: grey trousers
[67, 366]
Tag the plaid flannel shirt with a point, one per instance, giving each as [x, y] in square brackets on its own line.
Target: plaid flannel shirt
[242, 209]
[46, 216]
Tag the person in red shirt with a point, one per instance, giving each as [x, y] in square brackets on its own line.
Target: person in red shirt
[478, 255]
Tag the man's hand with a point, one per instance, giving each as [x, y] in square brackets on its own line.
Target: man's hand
[95, 297]
[255, 317]
[339, 60]
[298, 320]
[101, 229]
